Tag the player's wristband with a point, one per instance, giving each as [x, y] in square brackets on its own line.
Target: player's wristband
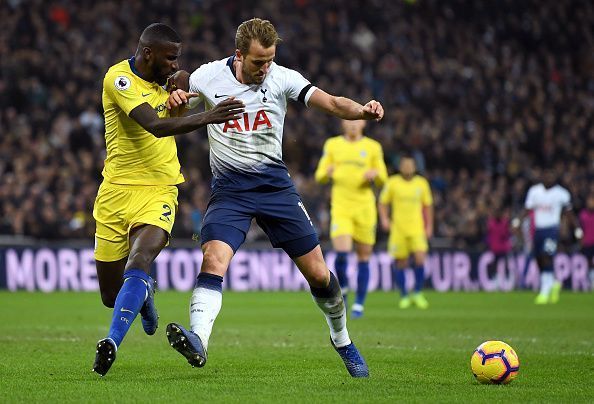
[515, 222]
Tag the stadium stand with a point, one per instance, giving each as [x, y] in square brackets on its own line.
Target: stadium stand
[482, 94]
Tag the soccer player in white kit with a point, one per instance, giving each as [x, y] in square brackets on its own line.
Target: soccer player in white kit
[548, 201]
[251, 181]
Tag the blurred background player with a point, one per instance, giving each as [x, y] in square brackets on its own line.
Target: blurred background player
[549, 201]
[251, 181]
[587, 224]
[354, 164]
[525, 232]
[406, 210]
[137, 201]
[498, 238]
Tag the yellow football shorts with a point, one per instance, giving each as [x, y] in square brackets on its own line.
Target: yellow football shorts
[359, 223]
[401, 246]
[119, 208]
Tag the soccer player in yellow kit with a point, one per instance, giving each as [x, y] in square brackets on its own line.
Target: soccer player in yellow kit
[354, 163]
[137, 200]
[409, 198]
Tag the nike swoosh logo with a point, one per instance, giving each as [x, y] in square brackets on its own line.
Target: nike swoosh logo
[146, 95]
[221, 96]
[126, 310]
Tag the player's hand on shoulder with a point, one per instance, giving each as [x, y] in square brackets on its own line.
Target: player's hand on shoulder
[226, 110]
[178, 80]
[373, 110]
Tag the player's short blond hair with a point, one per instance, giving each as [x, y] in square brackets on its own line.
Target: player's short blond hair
[255, 29]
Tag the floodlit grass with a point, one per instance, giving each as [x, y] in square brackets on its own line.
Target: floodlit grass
[274, 347]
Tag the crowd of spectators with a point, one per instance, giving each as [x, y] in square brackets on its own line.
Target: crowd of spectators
[484, 93]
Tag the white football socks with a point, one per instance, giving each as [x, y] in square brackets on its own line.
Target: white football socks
[335, 313]
[205, 306]
[546, 283]
[329, 299]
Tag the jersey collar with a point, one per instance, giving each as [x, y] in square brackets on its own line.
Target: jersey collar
[131, 62]
[231, 66]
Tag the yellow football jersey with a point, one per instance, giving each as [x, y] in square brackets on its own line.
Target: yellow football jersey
[406, 200]
[135, 156]
[351, 160]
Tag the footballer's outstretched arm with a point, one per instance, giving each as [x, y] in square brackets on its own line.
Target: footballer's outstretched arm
[147, 117]
[345, 108]
[384, 214]
[517, 221]
[568, 215]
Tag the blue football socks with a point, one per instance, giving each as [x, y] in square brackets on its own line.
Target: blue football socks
[340, 265]
[419, 278]
[400, 281]
[128, 303]
[209, 281]
[362, 282]
[547, 268]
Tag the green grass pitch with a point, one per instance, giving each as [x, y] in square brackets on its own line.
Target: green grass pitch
[274, 347]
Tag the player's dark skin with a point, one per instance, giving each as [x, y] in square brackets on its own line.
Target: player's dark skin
[156, 61]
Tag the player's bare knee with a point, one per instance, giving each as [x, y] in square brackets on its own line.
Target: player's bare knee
[319, 278]
[363, 257]
[401, 264]
[139, 259]
[543, 260]
[213, 262]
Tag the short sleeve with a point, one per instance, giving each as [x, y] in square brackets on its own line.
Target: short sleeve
[427, 196]
[297, 87]
[530, 202]
[386, 194]
[379, 164]
[120, 87]
[197, 80]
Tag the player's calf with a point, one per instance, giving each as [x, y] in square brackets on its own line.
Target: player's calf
[108, 298]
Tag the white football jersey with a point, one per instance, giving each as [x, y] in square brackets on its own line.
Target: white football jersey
[547, 204]
[247, 153]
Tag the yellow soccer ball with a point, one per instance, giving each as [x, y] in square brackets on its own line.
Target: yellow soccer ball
[494, 362]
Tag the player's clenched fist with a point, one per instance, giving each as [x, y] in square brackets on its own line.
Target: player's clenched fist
[373, 110]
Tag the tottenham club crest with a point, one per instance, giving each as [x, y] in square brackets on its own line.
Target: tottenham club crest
[122, 83]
